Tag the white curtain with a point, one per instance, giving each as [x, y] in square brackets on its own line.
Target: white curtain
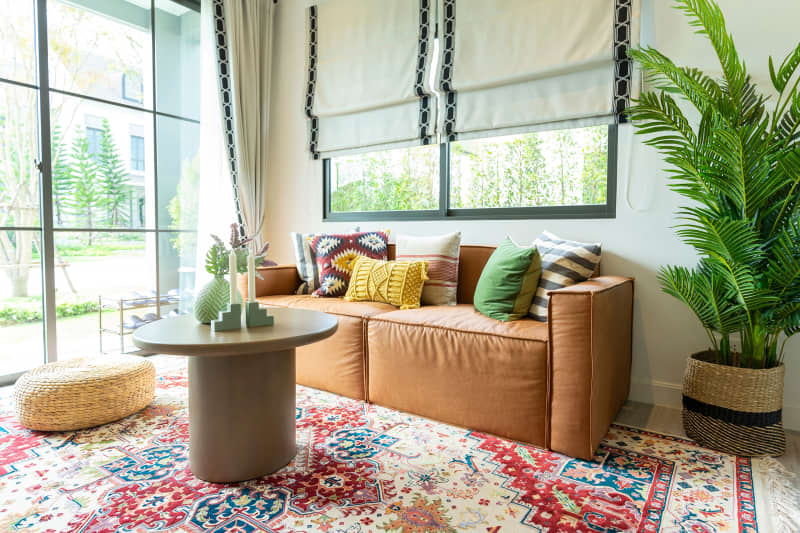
[510, 66]
[249, 39]
[216, 204]
[368, 70]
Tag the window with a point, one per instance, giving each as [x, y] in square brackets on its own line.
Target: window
[104, 231]
[569, 173]
[137, 153]
[94, 137]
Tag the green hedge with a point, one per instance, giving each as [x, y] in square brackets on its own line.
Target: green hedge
[32, 312]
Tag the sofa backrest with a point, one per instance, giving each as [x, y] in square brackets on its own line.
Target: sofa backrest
[471, 261]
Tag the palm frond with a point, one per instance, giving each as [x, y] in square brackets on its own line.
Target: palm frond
[701, 90]
[780, 77]
[707, 17]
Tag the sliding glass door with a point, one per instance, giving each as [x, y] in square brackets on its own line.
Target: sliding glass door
[108, 221]
[21, 306]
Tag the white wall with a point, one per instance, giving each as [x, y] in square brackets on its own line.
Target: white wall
[635, 244]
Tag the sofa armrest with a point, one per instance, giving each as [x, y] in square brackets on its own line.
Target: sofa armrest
[280, 279]
[590, 328]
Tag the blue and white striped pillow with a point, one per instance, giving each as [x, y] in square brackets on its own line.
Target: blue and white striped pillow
[306, 261]
[564, 263]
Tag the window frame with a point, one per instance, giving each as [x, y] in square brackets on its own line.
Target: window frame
[445, 212]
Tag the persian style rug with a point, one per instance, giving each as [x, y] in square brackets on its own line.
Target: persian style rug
[361, 468]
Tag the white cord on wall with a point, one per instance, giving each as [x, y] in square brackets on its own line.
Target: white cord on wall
[626, 131]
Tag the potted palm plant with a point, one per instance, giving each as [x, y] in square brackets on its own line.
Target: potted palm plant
[738, 163]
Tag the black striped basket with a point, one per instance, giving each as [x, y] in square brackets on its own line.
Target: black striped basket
[733, 410]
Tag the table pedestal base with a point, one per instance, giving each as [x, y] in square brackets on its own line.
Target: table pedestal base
[241, 415]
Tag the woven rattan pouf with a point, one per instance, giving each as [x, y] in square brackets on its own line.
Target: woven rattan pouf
[84, 392]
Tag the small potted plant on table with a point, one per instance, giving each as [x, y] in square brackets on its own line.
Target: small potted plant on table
[215, 294]
[739, 164]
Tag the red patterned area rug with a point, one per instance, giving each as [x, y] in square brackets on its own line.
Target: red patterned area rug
[364, 469]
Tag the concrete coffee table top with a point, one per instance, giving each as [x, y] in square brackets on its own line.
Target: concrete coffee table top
[184, 335]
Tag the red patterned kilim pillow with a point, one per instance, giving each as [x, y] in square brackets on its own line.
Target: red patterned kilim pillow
[336, 254]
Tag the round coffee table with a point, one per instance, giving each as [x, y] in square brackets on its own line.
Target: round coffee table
[241, 389]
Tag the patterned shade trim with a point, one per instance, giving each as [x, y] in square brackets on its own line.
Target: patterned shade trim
[225, 86]
[623, 65]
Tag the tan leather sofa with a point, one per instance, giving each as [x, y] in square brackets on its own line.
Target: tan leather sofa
[557, 385]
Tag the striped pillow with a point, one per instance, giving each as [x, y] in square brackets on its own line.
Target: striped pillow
[306, 261]
[564, 263]
[441, 252]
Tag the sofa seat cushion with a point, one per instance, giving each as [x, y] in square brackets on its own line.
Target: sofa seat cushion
[464, 317]
[335, 364]
[458, 366]
[334, 306]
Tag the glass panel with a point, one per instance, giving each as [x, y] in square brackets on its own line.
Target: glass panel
[392, 180]
[105, 52]
[177, 59]
[17, 41]
[97, 180]
[564, 167]
[177, 256]
[19, 149]
[21, 310]
[108, 266]
[178, 173]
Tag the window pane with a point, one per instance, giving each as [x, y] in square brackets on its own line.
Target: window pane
[178, 173]
[99, 181]
[392, 180]
[113, 266]
[564, 167]
[19, 148]
[22, 345]
[105, 52]
[177, 256]
[177, 59]
[17, 41]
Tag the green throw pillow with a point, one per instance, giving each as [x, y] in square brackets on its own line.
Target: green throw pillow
[508, 282]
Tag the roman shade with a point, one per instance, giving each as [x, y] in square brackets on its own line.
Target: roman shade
[368, 71]
[513, 66]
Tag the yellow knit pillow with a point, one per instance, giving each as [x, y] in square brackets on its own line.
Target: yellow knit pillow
[398, 283]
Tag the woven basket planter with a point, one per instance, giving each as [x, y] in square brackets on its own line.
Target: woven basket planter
[733, 410]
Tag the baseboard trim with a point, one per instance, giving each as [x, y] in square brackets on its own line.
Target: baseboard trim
[668, 394]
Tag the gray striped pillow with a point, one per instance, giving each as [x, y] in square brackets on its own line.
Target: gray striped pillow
[564, 263]
[306, 261]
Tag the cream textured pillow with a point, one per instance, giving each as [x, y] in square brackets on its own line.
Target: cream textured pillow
[441, 252]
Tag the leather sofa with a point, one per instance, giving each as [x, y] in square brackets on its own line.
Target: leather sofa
[557, 385]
